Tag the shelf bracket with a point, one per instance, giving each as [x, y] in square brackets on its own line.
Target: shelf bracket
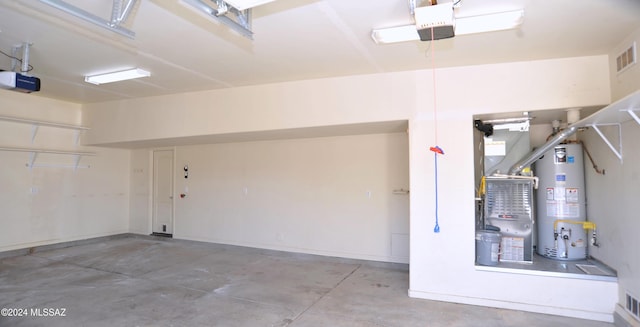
[76, 162]
[634, 116]
[76, 137]
[32, 159]
[618, 151]
[34, 132]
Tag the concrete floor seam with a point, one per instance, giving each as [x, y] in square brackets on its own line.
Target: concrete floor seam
[325, 294]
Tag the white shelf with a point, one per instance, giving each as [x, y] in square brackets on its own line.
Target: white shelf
[618, 112]
[43, 123]
[35, 124]
[623, 110]
[33, 152]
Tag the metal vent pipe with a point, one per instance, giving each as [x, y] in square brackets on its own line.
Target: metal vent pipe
[539, 152]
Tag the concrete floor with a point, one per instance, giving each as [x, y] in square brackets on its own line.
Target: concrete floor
[144, 281]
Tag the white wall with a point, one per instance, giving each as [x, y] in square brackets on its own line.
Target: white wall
[612, 203]
[52, 205]
[302, 195]
[324, 102]
[140, 191]
[329, 195]
[450, 274]
[613, 198]
[442, 264]
[627, 81]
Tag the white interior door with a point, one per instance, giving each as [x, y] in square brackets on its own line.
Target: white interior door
[163, 191]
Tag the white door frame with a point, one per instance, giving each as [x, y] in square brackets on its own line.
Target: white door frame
[170, 228]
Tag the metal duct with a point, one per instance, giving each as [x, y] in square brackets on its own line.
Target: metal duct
[539, 152]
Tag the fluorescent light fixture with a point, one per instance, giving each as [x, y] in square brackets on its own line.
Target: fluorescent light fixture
[396, 34]
[463, 26]
[246, 4]
[489, 23]
[116, 76]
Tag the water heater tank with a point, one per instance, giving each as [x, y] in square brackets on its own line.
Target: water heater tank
[561, 204]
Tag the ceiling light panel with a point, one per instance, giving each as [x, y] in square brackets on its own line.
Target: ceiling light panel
[489, 23]
[395, 34]
[116, 76]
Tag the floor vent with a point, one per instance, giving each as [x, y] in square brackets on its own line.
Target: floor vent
[633, 306]
[626, 58]
[592, 270]
[162, 234]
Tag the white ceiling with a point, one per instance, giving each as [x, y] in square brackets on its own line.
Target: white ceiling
[294, 40]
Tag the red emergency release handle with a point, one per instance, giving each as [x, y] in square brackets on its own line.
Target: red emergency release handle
[436, 149]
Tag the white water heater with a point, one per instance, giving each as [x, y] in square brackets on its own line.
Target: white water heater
[561, 203]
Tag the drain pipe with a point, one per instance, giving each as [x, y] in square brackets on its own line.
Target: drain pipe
[539, 152]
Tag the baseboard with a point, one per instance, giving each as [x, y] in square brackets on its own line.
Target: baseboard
[284, 248]
[278, 252]
[622, 318]
[60, 245]
[565, 312]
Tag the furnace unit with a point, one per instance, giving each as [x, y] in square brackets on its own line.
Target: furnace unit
[509, 206]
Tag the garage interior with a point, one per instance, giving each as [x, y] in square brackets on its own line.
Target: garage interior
[137, 281]
[288, 175]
